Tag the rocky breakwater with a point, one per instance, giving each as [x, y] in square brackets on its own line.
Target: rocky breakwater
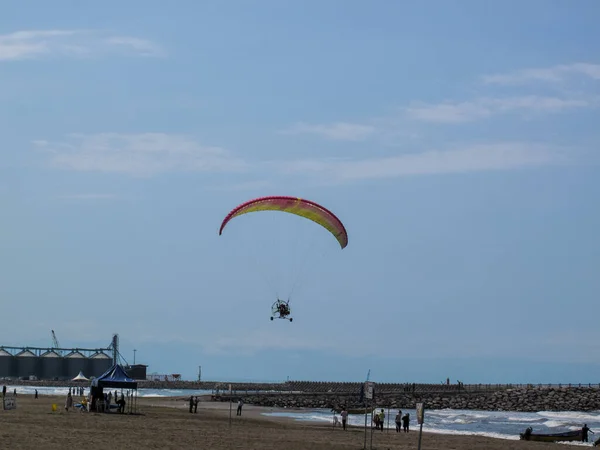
[524, 399]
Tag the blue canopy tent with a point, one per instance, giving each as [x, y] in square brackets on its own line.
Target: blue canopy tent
[116, 377]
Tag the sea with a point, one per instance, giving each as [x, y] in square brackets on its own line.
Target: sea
[496, 424]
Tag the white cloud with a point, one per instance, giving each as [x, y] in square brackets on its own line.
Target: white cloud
[253, 342]
[340, 131]
[151, 153]
[244, 186]
[142, 46]
[35, 44]
[449, 112]
[502, 156]
[549, 74]
[485, 107]
[137, 154]
[88, 196]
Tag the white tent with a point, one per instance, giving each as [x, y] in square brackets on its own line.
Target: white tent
[80, 377]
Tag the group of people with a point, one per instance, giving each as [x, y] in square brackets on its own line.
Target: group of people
[402, 421]
[193, 402]
[99, 406]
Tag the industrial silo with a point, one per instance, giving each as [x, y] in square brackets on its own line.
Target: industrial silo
[75, 362]
[51, 366]
[26, 364]
[99, 363]
[7, 364]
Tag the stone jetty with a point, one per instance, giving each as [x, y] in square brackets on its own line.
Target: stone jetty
[488, 398]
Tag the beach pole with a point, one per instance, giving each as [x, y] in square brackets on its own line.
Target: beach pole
[230, 393]
[365, 444]
[371, 445]
[420, 417]
[368, 395]
[388, 426]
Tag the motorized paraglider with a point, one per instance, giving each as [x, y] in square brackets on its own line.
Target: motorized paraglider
[300, 207]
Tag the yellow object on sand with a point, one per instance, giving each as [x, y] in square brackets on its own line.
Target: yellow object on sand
[54, 407]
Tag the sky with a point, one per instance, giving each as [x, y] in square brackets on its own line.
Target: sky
[456, 140]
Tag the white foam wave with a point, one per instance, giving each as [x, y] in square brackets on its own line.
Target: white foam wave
[575, 416]
[524, 419]
[471, 433]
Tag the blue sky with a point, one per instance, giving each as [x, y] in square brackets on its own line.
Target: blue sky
[456, 140]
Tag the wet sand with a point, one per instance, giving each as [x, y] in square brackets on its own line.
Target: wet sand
[167, 424]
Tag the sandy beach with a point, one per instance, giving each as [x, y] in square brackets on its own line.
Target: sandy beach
[167, 424]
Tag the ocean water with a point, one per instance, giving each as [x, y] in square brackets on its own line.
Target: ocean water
[63, 390]
[497, 424]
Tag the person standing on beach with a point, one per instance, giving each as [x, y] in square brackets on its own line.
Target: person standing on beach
[406, 422]
[382, 418]
[36, 394]
[69, 401]
[398, 421]
[239, 408]
[584, 433]
[344, 415]
[191, 403]
[195, 404]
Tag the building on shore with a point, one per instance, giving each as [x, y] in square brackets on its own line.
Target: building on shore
[58, 364]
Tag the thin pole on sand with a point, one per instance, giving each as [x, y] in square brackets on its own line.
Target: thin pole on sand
[388, 417]
[230, 397]
[420, 419]
[365, 444]
[375, 407]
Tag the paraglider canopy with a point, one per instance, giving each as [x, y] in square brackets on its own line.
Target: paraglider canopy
[293, 205]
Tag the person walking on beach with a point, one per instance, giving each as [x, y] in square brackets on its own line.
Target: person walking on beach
[381, 418]
[406, 422]
[584, 433]
[191, 403]
[239, 408]
[195, 404]
[398, 421]
[36, 394]
[344, 415]
[69, 401]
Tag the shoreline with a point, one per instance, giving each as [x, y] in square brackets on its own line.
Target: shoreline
[166, 423]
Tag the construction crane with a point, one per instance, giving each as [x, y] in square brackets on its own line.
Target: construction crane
[55, 343]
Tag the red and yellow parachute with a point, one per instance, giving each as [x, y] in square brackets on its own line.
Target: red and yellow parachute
[293, 205]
